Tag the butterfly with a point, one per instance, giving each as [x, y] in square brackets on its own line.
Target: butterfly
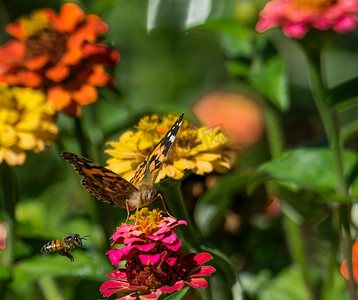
[109, 187]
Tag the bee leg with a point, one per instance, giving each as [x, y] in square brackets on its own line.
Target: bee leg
[161, 197]
[64, 252]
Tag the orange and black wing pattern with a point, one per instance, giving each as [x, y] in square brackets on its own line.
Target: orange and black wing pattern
[148, 171]
[102, 183]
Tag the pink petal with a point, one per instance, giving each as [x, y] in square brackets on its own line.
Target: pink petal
[156, 237]
[111, 284]
[175, 246]
[296, 30]
[197, 282]
[170, 239]
[170, 289]
[345, 23]
[194, 260]
[202, 271]
[172, 261]
[119, 274]
[132, 296]
[151, 296]
[148, 259]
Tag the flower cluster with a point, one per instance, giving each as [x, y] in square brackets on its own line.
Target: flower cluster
[155, 263]
[297, 16]
[58, 54]
[26, 123]
[201, 150]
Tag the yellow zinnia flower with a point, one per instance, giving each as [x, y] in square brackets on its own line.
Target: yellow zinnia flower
[26, 123]
[201, 150]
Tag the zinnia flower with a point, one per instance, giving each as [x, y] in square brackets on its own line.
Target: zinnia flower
[26, 123]
[201, 150]
[344, 267]
[155, 263]
[58, 54]
[296, 17]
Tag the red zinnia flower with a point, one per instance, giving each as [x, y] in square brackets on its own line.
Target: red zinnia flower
[155, 263]
[297, 16]
[58, 54]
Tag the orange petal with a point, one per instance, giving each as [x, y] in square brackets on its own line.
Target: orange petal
[69, 17]
[72, 57]
[99, 77]
[85, 95]
[11, 53]
[57, 73]
[59, 97]
[26, 78]
[50, 15]
[88, 31]
[16, 30]
[36, 62]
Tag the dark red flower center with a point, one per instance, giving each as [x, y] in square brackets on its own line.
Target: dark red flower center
[46, 41]
[156, 276]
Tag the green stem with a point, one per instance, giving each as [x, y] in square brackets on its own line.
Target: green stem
[81, 137]
[332, 132]
[274, 132]
[294, 236]
[298, 253]
[49, 288]
[10, 198]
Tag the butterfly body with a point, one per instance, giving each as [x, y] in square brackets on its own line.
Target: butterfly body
[109, 187]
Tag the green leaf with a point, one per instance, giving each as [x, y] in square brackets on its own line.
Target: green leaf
[304, 168]
[343, 92]
[177, 295]
[270, 79]
[288, 285]
[87, 264]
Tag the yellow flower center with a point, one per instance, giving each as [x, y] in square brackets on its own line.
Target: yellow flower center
[147, 220]
[34, 23]
[313, 4]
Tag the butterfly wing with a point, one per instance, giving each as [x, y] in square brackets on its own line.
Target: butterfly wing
[149, 169]
[102, 183]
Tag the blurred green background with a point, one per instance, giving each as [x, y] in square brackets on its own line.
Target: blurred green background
[172, 53]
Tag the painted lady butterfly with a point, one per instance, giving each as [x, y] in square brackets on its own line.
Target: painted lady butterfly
[109, 187]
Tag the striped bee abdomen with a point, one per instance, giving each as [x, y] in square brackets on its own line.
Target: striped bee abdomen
[52, 246]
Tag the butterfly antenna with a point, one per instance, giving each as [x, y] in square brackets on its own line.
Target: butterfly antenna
[85, 237]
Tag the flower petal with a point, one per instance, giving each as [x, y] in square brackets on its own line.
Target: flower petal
[197, 282]
[202, 271]
[70, 15]
[170, 289]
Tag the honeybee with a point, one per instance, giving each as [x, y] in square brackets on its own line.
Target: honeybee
[64, 245]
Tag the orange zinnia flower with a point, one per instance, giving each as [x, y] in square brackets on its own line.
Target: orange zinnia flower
[58, 54]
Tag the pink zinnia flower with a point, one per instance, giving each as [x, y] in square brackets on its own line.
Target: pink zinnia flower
[296, 17]
[155, 263]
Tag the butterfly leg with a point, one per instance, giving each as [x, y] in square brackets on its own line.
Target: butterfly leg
[127, 212]
[165, 209]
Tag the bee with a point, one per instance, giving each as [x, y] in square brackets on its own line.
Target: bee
[64, 245]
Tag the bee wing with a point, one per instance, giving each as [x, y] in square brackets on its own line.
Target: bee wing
[102, 183]
[148, 171]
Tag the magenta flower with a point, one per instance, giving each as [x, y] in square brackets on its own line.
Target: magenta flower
[296, 17]
[155, 263]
